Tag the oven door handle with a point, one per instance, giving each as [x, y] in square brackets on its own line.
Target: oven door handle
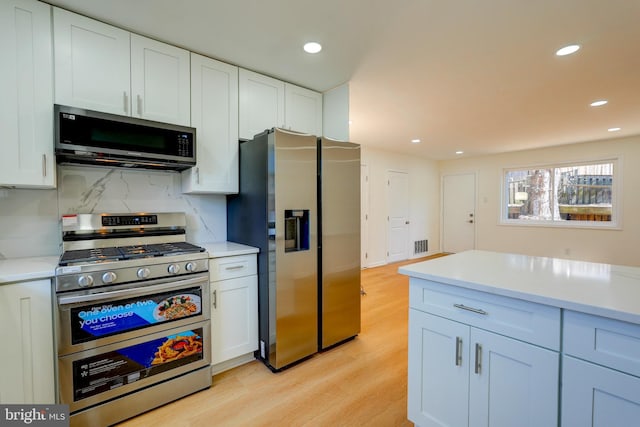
[131, 292]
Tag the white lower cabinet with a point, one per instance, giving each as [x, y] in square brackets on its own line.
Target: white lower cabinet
[27, 359]
[600, 372]
[597, 396]
[461, 373]
[234, 310]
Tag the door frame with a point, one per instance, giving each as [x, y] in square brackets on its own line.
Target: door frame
[475, 205]
[364, 211]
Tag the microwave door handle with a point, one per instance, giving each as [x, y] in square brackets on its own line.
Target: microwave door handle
[135, 292]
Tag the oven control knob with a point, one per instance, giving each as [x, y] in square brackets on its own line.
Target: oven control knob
[174, 268]
[191, 266]
[143, 273]
[109, 277]
[85, 281]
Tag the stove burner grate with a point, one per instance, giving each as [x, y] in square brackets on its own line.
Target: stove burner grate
[94, 255]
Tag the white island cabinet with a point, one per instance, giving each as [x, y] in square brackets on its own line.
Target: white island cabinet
[485, 346]
[234, 304]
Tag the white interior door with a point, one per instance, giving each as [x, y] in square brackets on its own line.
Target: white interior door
[398, 208]
[458, 212]
[364, 215]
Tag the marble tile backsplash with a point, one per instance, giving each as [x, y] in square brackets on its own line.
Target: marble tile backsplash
[30, 219]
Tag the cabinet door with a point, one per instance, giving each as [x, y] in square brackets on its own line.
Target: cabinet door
[261, 103]
[92, 64]
[303, 110]
[593, 395]
[160, 85]
[438, 371]
[214, 114]
[26, 104]
[234, 318]
[511, 383]
[27, 360]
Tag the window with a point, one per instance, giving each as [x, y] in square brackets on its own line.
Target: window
[569, 195]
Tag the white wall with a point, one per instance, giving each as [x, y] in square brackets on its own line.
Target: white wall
[424, 201]
[609, 246]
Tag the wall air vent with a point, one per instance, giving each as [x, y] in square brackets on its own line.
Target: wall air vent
[420, 246]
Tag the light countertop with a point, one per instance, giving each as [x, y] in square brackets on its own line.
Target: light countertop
[24, 269]
[223, 249]
[33, 268]
[601, 289]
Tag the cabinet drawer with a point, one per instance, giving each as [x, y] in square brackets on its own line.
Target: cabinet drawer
[608, 342]
[233, 266]
[527, 321]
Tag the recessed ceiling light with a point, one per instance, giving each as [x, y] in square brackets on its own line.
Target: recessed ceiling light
[416, 141]
[598, 103]
[614, 129]
[567, 50]
[459, 152]
[312, 47]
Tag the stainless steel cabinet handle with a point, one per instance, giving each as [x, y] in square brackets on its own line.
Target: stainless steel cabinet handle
[478, 367]
[235, 267]
[44, 165]
[471, 309]
[458, 351]
[126, 101]
[197, 175]
[215, 300]
[139, 105]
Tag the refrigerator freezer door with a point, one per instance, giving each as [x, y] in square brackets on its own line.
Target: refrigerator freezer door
[293, 305]
[340, 244]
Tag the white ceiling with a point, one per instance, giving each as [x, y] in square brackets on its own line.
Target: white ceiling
[473, 75]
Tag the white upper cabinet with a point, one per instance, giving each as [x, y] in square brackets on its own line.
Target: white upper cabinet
[261, 103]
[26, 107]
[266, 102]
[214, 114]
[303, 110]
[104, 68]
[160, 86]
[92, 64]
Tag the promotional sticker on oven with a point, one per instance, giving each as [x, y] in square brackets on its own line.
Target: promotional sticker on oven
[94, 321]
[96, 374]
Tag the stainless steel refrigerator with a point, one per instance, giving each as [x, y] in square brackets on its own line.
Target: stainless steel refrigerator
[278, 210]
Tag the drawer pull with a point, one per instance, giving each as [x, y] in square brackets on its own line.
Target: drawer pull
[458, 351]
[471, 309]
[235, 267]
[478, 367]
[215, 300]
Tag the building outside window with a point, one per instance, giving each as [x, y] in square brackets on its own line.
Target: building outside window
[568, 195]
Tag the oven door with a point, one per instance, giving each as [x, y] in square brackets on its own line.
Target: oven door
[92, 318]
[95, 376]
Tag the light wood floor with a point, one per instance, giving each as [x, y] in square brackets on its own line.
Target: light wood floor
[360, 383]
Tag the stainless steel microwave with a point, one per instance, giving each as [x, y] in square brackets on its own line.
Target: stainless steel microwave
[95, 138]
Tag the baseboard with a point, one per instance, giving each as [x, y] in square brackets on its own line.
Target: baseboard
[232, 363]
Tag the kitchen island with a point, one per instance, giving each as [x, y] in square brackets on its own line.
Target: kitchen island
[502, 339]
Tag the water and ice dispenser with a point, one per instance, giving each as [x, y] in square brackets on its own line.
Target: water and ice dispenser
[296, 230]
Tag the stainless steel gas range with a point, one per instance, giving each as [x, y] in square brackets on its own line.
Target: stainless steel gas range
[132, 315]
